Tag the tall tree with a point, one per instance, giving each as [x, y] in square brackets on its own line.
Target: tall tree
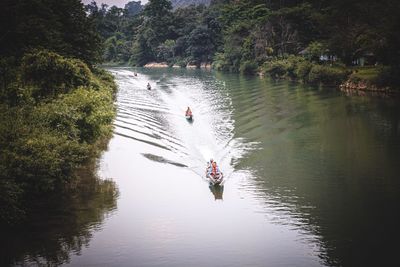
[61, 26]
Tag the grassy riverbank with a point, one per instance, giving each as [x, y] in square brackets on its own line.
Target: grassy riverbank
[369, 78]
[54, 112]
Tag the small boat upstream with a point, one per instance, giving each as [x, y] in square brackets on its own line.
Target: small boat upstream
[189, 117]
[189, 114]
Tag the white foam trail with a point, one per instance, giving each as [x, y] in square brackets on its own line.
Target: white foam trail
[157, 118]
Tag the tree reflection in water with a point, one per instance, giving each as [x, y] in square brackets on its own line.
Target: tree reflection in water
[61, 224]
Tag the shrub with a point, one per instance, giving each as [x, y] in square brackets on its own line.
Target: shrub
[43, 142]
[95, 110]
[34, 156]
[45, 159]
[303, 70]
[315, 50]
[276, 69]
[248, 67]
[292, 64]
[320, 74]
[104, 80]
[366, 74]
[220, 62]
[53, 74]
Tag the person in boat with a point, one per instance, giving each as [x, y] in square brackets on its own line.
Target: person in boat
[209, 166]
[214, 169]
[148, 86]
[189, 112]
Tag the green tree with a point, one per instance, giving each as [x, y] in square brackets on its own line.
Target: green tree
[61, 26]
[200, 45]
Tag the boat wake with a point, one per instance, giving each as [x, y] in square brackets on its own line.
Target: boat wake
[156, 118]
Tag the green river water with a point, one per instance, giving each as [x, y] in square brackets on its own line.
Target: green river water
[312, 178]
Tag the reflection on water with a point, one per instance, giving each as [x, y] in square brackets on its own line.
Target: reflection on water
[217, 190]
[62, 226]
[329, 161]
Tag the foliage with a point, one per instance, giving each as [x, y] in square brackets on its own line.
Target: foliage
[315, 50]
[368, 74]
[248, 67]
[320, 74]
[276, 69]
[303, 70]
[200, 45]
[44, 139]
[233, 33]
[157, 33]
[53, 74]
[133, 8]
[61, 26]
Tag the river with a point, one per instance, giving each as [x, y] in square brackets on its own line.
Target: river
[311, 179]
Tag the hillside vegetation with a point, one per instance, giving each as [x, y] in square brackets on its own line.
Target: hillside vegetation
[251, 36]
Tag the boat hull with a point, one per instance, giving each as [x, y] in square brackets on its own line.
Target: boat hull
[215, 180]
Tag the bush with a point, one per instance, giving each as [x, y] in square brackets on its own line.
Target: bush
[103, 80]
[303, 70]
[220, 62]
[276, 69]
[366, 74]
[315, 50]
[94, 111]
[43, 142]
[292, 64]
[35, 157]
[248, 68]
[320, 74]
[53, 74]
[45, 160]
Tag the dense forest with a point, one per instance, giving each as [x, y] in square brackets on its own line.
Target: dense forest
[55, 104]
[312, 41]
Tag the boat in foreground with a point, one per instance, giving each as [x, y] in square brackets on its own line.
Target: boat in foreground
[189, 117]
[215, 179]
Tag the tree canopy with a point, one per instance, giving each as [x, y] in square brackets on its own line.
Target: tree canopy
[61, 26]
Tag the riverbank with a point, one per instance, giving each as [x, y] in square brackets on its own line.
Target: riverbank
[364, 88]
[347, 79]
[51, 125]
[166, 65]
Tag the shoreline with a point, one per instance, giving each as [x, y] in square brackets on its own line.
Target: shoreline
[364, 89]
[165, 65]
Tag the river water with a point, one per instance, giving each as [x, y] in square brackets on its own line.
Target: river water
[311, 179]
